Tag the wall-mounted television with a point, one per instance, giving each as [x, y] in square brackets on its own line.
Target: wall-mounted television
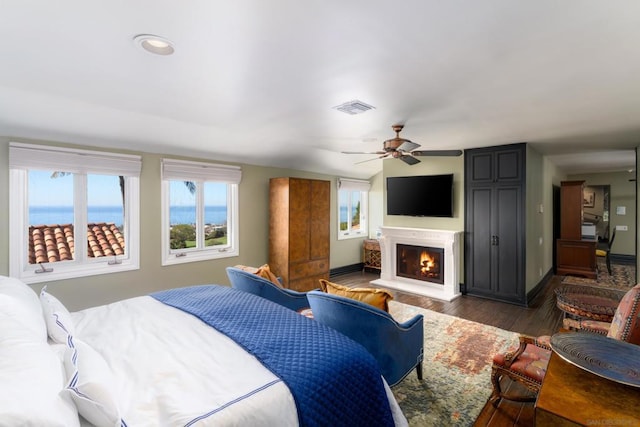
[422, 195]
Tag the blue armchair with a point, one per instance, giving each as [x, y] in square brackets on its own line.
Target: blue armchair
[398, 347]
[254, 284]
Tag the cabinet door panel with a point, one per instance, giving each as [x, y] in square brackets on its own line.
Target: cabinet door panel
[299, 219]
[478, 246]
[481, 167]
[508, 165]
[319, 206]
[507, 259]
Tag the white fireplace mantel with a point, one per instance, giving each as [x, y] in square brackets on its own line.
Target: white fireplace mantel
[445, 239]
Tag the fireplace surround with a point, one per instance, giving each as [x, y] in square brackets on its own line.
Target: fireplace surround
[446, 243]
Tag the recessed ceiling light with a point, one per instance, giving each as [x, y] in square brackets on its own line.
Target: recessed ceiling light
[154, 44]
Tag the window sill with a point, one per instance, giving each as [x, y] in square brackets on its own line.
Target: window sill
[195, 256]
[352, 236]
[63, 273]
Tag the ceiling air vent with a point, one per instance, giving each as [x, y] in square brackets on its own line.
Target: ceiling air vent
[354, 107]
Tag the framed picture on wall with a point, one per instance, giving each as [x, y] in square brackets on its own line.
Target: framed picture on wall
[589, 199]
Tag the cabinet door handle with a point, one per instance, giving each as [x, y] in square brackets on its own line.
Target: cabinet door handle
[494, 240]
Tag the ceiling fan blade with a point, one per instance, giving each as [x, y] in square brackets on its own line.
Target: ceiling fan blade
[375, 158]
[407, 146]
[410, 160]
[364, 152]
[453, 153]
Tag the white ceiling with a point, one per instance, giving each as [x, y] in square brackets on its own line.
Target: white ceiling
[255, 81]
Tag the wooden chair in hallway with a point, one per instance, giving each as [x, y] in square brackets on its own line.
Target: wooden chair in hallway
[606, 252]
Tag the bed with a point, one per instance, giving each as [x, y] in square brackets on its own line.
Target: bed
[201, 355]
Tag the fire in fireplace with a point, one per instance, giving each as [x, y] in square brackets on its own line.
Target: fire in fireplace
[420, 263]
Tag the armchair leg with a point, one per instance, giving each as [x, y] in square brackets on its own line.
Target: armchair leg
[496, 394]
[419, 371]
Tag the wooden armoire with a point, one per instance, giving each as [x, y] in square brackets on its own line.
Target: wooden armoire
[299, 215]
[575, 254]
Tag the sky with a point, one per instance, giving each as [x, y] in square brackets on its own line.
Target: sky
[104, 190]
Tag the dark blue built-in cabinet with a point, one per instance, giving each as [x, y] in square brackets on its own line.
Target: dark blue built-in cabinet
[495, 222]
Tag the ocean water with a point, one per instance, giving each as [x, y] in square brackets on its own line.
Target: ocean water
[64, 214]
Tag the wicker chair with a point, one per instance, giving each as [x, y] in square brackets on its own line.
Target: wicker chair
[527, 364]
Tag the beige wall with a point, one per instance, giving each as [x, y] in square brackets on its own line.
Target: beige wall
[152, 276]
[376, 203]
[534, 215]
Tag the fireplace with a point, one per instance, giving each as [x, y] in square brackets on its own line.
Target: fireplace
[404, 267]
[420, 263]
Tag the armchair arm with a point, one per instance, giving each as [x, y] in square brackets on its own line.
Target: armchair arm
[524, 340]
[593, 326]
[410, 323]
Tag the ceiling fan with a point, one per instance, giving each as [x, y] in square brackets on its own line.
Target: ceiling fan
[403, 149]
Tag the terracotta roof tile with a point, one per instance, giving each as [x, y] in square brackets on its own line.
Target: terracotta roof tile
[52, 243]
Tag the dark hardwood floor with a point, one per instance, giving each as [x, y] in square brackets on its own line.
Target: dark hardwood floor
[542, 317]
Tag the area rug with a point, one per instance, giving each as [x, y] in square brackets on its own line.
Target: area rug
[456, 369]
[623, 277]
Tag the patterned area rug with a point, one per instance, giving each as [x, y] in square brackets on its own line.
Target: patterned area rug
[456, 369]
[623, 277]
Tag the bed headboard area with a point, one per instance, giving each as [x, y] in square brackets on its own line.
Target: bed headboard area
[32, 372]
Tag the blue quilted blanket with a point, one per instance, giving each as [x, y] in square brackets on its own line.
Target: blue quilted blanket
[334, 381]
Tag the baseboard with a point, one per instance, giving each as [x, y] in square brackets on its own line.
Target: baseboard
[622, 259]
[533, 293]
[346, 269]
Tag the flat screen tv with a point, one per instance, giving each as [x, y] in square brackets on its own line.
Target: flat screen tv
[423, 195]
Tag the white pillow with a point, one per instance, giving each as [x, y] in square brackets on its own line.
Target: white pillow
[32, 380]
[57, 318]
[91, 385]
[19, 301]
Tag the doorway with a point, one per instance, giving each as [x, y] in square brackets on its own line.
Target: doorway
[596, 208]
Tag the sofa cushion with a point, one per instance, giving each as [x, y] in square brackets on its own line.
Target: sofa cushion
[376, 297]
[532, 363]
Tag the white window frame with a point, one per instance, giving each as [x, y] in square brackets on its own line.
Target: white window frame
[25, 157]
[200, 172]
[351, 185]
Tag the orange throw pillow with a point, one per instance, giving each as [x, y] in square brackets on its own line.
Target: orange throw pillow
[266, 273]
[378, 298]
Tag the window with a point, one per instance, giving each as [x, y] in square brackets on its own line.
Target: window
[76, 212]
[199, 211]
[353, 196]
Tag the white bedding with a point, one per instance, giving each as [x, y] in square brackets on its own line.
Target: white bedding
[170, 369]
[137, 360]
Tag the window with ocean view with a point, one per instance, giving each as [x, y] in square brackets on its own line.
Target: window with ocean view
[199, 211]
[353, 196]
[77, 212]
